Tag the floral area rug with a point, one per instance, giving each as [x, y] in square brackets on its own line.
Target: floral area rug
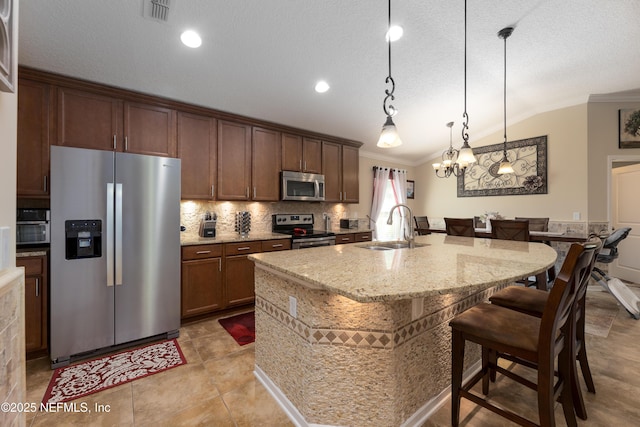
[71, 382]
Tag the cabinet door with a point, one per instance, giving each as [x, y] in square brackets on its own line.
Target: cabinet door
[234, 161]
[291, 152]
[149, 129]
[197, 151]
[332, 170]
[33, 139]
[201, 287]
[350, 170]
[35, 301]
[239, 286]
[265, 165]
[88, 120]
[311, 155]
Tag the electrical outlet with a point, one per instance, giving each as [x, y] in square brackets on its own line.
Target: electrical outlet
[293, 307]
[417, 308]
[4, 247]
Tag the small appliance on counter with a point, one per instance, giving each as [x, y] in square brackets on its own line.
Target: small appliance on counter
[208, 225]
[348, 223]
[243, 223]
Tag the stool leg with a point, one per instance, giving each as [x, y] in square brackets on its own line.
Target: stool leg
[457, 361]
[586, 371]
[566, 363]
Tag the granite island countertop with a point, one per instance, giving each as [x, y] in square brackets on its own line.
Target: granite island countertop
[440, 265]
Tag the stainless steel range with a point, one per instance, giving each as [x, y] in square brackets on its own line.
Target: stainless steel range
[300, 227]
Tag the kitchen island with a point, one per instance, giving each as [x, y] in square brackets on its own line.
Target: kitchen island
[347, 335]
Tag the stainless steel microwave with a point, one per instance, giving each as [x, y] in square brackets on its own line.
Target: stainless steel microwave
[307, 187]
[32, 227]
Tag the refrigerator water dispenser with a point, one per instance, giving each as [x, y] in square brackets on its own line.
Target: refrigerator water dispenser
[83, 238]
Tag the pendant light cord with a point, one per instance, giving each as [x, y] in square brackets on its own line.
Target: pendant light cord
[389, 110]
[465, 116]
[505, 95]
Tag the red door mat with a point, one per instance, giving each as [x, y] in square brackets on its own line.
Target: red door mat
[92, 376]
[242, 327]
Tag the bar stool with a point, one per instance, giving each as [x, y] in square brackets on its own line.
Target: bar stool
[460, 227]
[533, 342]
[532, 302]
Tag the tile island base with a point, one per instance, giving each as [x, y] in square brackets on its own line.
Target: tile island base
[339, 362]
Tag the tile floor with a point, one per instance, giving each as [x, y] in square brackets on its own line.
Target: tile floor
[217, 387]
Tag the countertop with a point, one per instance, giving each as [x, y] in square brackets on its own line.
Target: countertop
[187, 238]
[443, 265]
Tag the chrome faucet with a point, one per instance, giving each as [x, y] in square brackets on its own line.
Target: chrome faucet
[408, 237]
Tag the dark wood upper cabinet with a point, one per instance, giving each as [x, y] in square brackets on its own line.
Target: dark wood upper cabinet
[311, 155]
[197, 136]
[265, 165]
[149, 129]
[88, 120]
[301, 154]
[332, 160]
[350, 172]
[34, 109]
[234, 161]
[340, 169]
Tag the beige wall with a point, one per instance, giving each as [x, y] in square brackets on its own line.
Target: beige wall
[603, 142]
[8, 138]
[566, 131]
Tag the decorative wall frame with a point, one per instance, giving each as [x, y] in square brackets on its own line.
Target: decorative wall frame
[528, 158]
[411, 189]
[629, 128]
[7, 54]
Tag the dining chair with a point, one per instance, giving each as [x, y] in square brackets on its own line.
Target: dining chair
[509, 229]
[533, 342]
[460, 227]
[532, 302]
[422, 224]
[536, 224]
[479, 223]
[541, 224]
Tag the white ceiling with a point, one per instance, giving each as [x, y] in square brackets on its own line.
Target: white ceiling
[261, 58]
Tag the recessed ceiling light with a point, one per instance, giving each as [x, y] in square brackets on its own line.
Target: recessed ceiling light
[191, 39]
[395, 32]
[322, 86]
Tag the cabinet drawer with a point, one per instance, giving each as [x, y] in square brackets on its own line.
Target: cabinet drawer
[201, 251]
[33, 266]
[363, 237]
[345, 238]
[242, 248]
[276, 245]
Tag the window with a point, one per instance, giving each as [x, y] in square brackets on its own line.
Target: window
[385, 232]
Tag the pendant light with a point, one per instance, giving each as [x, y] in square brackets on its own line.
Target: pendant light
[505, 165]
[389, 135]
[455, 162]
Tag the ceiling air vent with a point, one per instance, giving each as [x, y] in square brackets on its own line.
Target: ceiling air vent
[157, 10]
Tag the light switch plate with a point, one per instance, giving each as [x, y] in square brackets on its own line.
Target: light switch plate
[576, 216]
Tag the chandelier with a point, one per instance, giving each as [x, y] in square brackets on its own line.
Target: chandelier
[389, 136]
[455, 162]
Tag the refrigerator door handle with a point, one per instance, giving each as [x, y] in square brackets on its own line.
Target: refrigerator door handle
[118, 234]
[109, 232]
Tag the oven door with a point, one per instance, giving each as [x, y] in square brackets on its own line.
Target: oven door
[313, 242]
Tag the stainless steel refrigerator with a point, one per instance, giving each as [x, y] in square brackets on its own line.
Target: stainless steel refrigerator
[115, 250]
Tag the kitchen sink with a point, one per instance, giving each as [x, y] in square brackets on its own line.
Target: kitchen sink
[388, 246]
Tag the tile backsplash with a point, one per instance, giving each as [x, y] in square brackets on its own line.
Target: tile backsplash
[191, 212]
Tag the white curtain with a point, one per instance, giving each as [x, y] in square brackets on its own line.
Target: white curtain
[399, 183]
[380, 183]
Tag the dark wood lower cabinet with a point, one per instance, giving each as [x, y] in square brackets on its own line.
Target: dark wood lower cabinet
[202, 281]
[35, 299]
[219, 276]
